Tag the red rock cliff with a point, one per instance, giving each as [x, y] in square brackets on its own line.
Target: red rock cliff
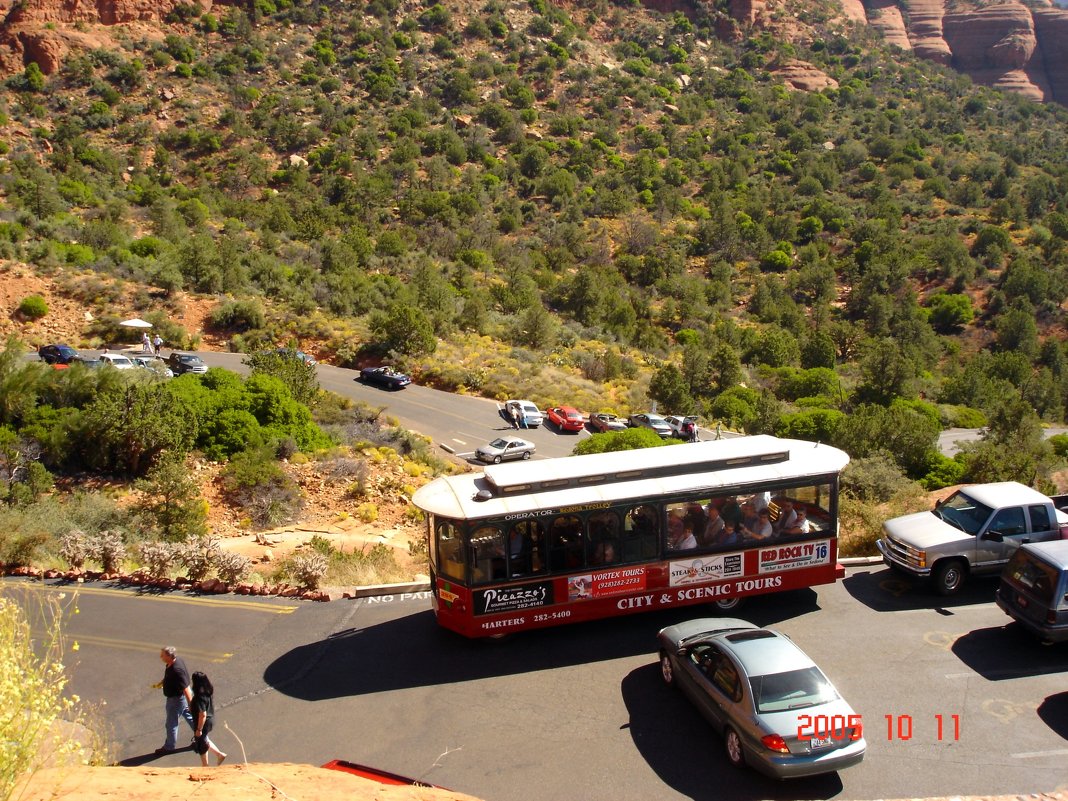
[1004, 44]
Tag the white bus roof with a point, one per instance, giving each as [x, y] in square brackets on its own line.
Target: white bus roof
[719, 466]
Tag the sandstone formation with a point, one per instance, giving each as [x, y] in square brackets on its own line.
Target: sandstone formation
[804, 77]
[1006, 45]
[885, 17]
[854, 11]
[996, 46]
[24, 37]
[925, 29]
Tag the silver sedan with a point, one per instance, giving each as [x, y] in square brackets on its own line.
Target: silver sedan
[504, 448]
[776, 710]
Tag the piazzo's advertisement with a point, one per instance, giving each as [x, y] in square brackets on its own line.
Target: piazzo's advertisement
[706, 568]
[509, 599]
[795, 556]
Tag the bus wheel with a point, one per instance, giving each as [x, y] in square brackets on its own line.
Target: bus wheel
[728, 604]
[949, 577]
[667, 672]
[733, 746]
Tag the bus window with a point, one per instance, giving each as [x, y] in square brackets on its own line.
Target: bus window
[526, 549]
[450, 550]
[487, 553]
[641, 533]
[604, 539]
[566, 549]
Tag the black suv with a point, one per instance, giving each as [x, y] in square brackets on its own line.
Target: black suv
[57, 354]
[181, 363]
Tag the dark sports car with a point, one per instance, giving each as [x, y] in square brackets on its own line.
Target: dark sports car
[57, 354]
[385, 377]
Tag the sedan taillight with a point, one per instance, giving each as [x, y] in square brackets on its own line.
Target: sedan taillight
[774, 742]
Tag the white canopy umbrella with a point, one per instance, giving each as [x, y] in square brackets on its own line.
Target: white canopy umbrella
[136, 322]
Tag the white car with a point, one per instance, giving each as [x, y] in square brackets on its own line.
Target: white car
[678, 424]
[527, 413]
[117, 360]
[153, 363]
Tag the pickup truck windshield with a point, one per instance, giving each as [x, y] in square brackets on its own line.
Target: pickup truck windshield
[963, 512]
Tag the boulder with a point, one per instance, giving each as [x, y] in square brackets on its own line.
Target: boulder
[802, 76]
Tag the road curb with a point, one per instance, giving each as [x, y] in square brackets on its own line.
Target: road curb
[854, 561]
[377, 590]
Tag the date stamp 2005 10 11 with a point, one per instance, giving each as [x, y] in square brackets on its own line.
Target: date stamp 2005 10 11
[824, 729]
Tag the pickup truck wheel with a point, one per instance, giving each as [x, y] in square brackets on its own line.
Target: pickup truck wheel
[949, 577]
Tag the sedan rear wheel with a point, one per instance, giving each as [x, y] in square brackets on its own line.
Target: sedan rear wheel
[733, 746]
[667, 671]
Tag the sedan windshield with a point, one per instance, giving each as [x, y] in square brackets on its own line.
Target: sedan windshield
[499, 444]
[794, 689]
[963, 512]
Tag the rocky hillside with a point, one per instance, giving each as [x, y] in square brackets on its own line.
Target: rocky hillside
[1007, 45]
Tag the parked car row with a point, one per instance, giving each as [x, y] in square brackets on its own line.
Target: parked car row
[567, 418]
[61, 355]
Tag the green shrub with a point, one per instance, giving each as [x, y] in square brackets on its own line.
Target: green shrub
[1059, 442]
[33, 306]
[875, 478]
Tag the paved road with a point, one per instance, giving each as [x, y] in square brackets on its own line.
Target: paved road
[463, 422]
[579, 711]
[950, 439]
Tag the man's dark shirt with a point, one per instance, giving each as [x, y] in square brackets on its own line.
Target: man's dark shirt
[175, 678]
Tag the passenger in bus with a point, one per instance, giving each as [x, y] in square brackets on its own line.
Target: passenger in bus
[750, 518]
[697, 520]
[518, 553]
[801, 524]
[713, 534]
[731, 512]
[761, 500]
[762, 530]
[787, 515]
[730, 535]
[680, 534]
[604, 553]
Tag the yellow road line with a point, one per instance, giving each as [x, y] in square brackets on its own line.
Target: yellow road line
[252, 606]
[147, 647]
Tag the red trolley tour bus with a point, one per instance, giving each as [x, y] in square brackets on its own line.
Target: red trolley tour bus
[540, 543]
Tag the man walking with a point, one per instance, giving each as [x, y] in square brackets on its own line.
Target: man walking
[178, 693]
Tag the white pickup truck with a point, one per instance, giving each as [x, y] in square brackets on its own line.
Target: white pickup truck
[974, 530]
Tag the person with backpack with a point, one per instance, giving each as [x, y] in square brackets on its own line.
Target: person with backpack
[203, 708]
